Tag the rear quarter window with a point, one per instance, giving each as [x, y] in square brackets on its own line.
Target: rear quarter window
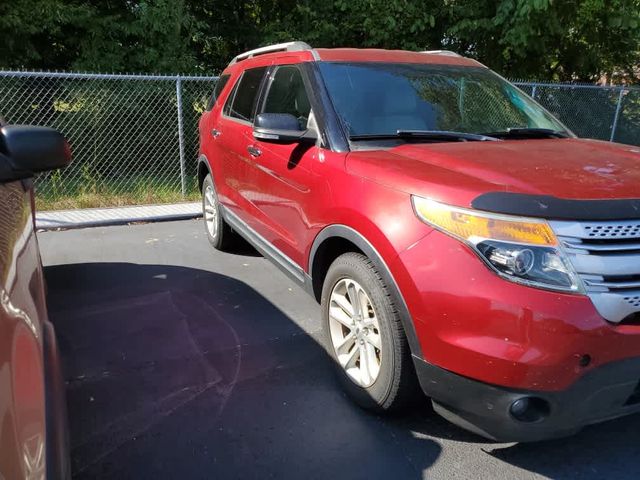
[220, 84]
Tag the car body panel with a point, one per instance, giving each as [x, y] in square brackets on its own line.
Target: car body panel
[476, 324]
[22, 322]
[457, 173]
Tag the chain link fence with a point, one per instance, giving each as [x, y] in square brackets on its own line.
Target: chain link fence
[135, 137]
[592, 111]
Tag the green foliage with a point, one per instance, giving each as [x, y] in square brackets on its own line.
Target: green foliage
[547, 39]
[114, 35]
[150, 36]
[551, 39]
[40, 33]
[364, 23]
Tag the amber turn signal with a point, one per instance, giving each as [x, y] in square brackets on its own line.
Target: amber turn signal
[474, 226]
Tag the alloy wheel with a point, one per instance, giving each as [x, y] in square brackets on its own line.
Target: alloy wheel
[355, 332]
[210, 211]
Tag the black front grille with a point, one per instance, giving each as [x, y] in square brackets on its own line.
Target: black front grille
[633, 319]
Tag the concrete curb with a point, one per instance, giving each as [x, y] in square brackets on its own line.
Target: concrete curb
[100, 217]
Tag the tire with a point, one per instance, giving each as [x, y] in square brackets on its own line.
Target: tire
[218, 232]
[386, 380]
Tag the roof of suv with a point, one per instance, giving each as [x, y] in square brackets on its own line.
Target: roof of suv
[304, 53]
[391, 56]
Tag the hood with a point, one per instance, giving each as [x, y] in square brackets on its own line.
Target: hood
[456, 173]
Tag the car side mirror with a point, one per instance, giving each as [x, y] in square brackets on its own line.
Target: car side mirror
[26, 150]
[280, 128]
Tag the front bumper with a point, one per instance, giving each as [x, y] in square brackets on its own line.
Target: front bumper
[604, 393]
[472, 322]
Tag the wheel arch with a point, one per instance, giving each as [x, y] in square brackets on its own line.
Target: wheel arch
[322, 255]
[203, 170]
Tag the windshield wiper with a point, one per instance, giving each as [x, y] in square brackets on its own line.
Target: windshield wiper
[526, 133]
[435, 135]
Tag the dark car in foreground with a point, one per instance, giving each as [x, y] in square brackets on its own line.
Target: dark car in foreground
[455, 233]
[33, 436]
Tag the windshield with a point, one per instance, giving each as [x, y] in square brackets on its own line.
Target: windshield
[382, 98]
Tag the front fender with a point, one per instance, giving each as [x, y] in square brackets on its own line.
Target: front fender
[348, 233]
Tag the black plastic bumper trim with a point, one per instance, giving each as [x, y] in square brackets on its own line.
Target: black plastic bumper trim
[599, 395]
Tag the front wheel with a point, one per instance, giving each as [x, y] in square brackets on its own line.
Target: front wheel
[365, 337]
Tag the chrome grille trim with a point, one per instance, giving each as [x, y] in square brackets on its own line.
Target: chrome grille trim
[611, 230]
[612, 285]
[574, 244]
[606, 256]
[592, 263]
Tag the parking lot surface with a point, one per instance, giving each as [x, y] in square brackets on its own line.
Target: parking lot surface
[183, 362]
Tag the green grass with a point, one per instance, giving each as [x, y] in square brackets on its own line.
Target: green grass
[52, 194]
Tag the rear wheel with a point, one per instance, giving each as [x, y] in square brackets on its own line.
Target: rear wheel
[365, 337]
[218, 231]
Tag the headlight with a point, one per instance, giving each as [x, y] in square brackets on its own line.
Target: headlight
[523, 250]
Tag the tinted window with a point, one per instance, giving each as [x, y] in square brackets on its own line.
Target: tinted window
[378, 98]
[222, 81]
[288, 95]
[227, 105]
[241, 104]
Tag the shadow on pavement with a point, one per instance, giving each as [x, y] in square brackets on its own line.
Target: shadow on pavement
[176, 372]
[607, 450]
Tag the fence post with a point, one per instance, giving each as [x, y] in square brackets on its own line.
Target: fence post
[183, 173]
[533, 91]
[617, 116]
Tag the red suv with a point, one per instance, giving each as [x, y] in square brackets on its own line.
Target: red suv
[455, 233]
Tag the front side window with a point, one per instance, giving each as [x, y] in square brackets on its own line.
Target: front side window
[379, 98]
[241, 102]
[287, 94]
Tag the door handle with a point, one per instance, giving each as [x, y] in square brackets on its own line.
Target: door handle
[215, 133]
[254, 151]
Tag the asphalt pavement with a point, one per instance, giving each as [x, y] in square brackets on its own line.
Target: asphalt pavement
[182, 362]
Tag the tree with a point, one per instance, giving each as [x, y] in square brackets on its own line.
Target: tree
[401, 24]
[549, 39]
[582, 40]
[114, 35]
[48, 43]
[546, 39]
[144, 36]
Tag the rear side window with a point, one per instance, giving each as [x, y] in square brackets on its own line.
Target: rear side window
[222, 81]
[240, 104]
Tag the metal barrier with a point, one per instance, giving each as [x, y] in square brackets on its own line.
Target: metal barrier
[135, 138]
[592, 111]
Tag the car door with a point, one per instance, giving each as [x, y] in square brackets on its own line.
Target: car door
[281, 187]
[208, 126]
[232, 170]
[32, 411]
